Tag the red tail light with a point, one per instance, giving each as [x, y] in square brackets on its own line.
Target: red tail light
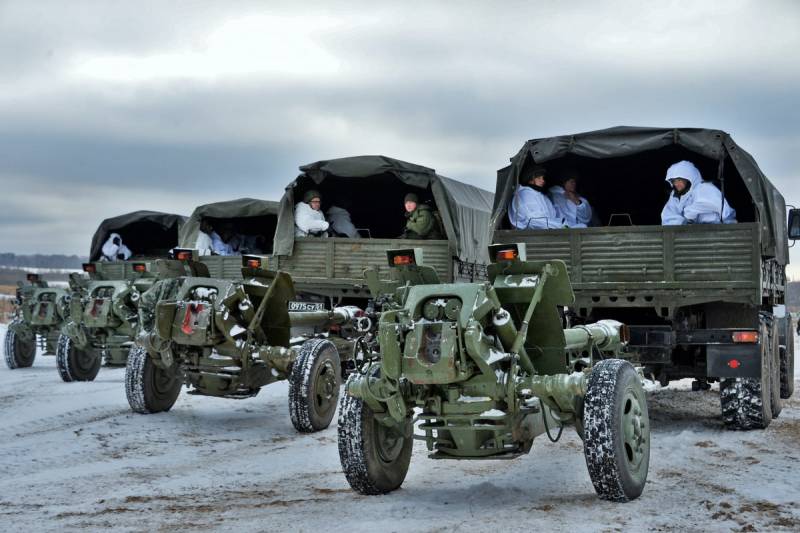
[734, 364]
[745, 336]
[507, 255]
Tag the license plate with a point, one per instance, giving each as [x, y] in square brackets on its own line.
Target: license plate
[306, 306]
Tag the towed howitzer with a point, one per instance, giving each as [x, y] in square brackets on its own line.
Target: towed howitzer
[230, 338]
[103, 317]
[38, 315]
[481, 369]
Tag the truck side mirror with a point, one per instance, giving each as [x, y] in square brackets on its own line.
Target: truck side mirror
[794, 224]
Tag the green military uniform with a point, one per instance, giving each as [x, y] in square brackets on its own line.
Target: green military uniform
[422, 222]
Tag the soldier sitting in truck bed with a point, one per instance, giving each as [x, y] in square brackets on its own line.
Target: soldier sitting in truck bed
[421, 221]
[693, 200]
[308, 218]
[572, 207]
[114, 249]
[530, 206]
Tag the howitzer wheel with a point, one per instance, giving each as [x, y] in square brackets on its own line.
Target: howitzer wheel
[149, 388]
[616, 431]
[20, 352]
[787, 364]
[374, 457]
[314, 383]
[75, 364]
[746, 402]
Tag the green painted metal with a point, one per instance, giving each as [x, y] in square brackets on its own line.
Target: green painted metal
[488, 364]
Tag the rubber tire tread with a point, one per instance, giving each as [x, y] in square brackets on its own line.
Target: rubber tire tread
[602, 440]
[742, 401]
[364, 473]
[13, 359]
[787, 365]
[64, 354]
[776, 405]
[300, 377]
[139, 371]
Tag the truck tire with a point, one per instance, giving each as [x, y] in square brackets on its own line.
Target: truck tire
[746, 402]
[20, 353]
[616, 431]
[75, 364]
[314, 383]
[787, 364]
[374, 457]
[149, 388]
[776, 404]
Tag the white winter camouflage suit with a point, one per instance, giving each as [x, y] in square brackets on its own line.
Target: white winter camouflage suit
[701, 204]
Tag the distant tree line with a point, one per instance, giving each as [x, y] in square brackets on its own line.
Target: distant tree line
[42, 261]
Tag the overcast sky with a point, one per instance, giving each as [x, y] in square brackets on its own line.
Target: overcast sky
[108, 107]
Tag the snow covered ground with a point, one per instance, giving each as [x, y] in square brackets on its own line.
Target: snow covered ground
[72, 456]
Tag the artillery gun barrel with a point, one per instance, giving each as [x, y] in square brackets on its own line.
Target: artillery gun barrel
[607, 335]
[337, 315]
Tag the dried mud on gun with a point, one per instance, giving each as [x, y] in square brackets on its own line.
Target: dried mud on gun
[102, 319]
[702, 300]
[482, 369]
[39, 313]
[229, 338]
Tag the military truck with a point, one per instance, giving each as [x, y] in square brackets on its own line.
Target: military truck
[252, 223]
[38, 316]
[479, 370]
[103, 318]
[229, 339]
[372, 189]
[703, 301]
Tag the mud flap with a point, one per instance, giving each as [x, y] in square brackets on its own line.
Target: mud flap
[733, 361]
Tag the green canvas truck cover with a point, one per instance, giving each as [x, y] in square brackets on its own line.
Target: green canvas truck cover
[465, 209]
[623, 141]
[147, 233]
[229, 209]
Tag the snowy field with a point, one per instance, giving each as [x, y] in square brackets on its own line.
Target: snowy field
[72, 456]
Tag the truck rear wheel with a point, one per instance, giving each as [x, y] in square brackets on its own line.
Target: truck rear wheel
[20, 352]
[375, 458]
[76, 364]
[616, 431]
[776, 404]
[149, 388]
[787, 364]
[746, 402]
[314, 384]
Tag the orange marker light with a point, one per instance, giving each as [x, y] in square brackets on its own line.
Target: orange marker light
[139, 267]
[403, 260]
[506, 255]
[745, 336]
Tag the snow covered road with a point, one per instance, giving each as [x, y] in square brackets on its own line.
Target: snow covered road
[73, 456]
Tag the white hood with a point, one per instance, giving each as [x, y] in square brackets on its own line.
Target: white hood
[685, 170]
